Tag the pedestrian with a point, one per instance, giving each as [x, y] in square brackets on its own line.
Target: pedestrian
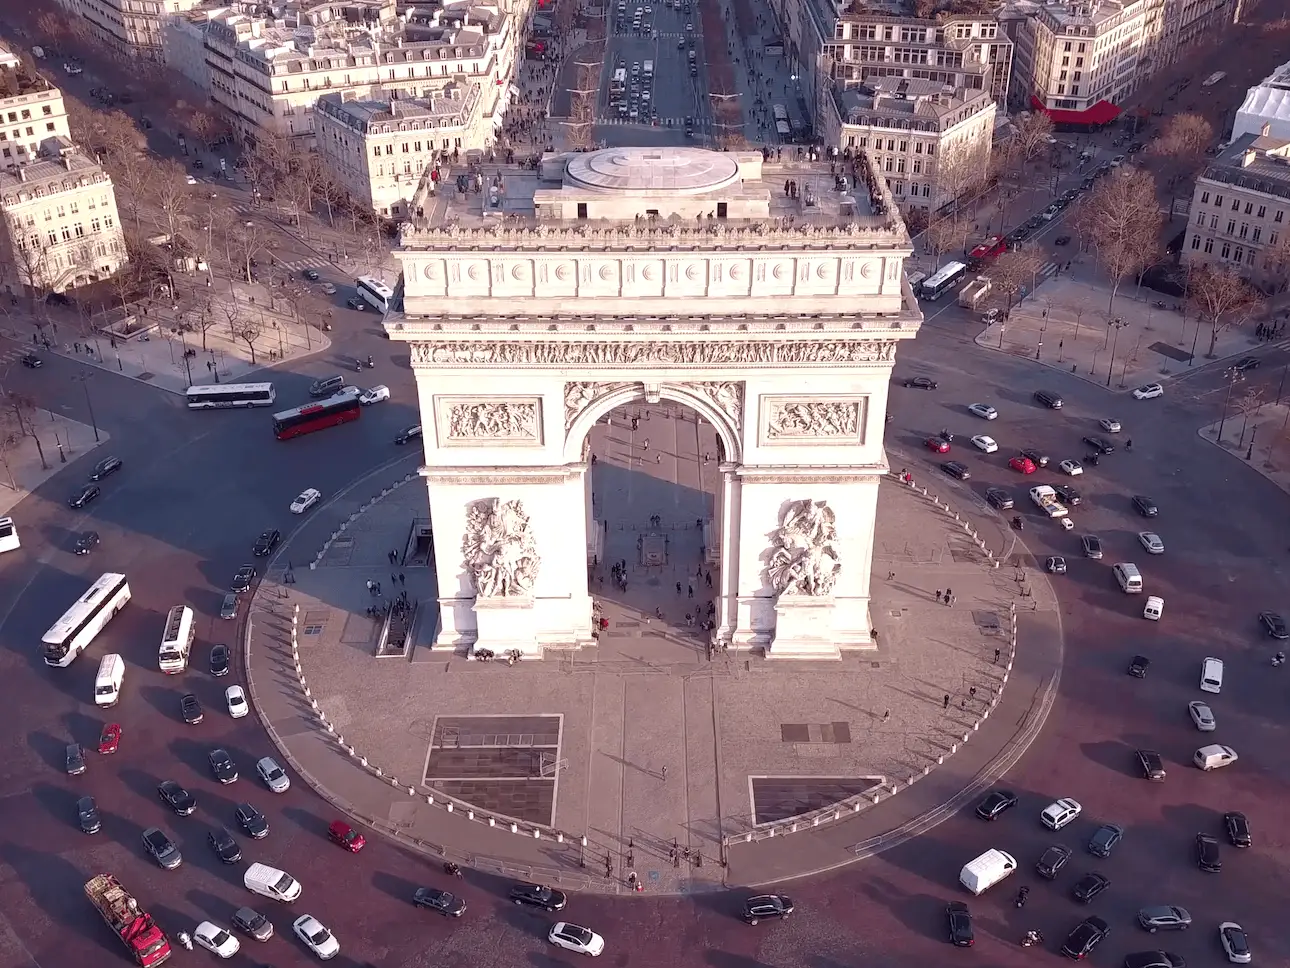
[948, 595]
[394, 579]
[378, 588]
[391, 557]
[77, 345]
[370, 584]
[938, 594]
[945, 701]
[646, 443]
[707, 577]
[891, 576]
[949, 599]
[403, 581]
[997, 653]
[658, 458]
[972, 692]
[678, 588]
[689, 591]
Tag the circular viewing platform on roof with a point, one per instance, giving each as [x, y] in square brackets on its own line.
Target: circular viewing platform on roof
[653, 171]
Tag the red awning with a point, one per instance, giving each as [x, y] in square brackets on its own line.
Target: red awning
[1103, 112]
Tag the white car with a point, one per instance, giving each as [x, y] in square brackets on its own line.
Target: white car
[305, 501]
[214, 938]
[190, 179]
[576, 938]
[1110, 425]
[1059, 813]
[1151, 541]
[1202, 716]
[1071, 467]
[319, 940]
[73, 69]
[1149, 392]
[983, 410]
[985, 443]
[236, 699]
[374, 395]
[328, 288]
[274, 776]
[1235, 943]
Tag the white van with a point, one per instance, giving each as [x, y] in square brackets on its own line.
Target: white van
[1154, 607]
[1212, 757]
[271, 883]
[1211, 675]
[1128, 576]
[107, 684]
[987, 870]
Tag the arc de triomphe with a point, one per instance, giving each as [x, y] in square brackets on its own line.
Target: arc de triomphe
[657, 274]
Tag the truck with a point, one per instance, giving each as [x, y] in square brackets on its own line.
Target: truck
[1213, 79]
[971, 295]
[135, 927]
[1046, 500]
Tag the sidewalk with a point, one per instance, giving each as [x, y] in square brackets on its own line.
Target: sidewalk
[50, 443]
[1262, 440]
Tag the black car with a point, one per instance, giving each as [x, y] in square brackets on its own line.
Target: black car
[1099, 444]
[75, 759]
[252, 821]
[1051, 861]
[1090, 886]
[1088, 183]
[1207, 855]
[921, 383]
[995, 803]
[225, 847]
[956, 470]
[1154, 959]
[1138, 666]
[83, 497]
[1151, 764]
[999, 498]
[1145, 506]
[1049, 399]
[1274, 625]
[449, 905]
[198, 163]
[1036, 458]
[87, 542]
[87, 815]
[1104, 839]
[1238, 829]
[538, 895]
[266, 542]
[219, 660]
[408, 435]
[763, 906]
[1246, 363]
[1055, 565]
[1088, 934]
[1092, 546]
[105, 468]
[312, 275]
[32, 362]
[252, 922]
[242, 579]
[222, 766]
[960, 924]
[190, 709]
[1068, 494]
[163, 850]
[177, 798]
[353, 302]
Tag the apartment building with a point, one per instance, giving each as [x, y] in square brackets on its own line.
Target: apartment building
[382, 151]
[31, 110]
[131, 28]
[1240, 210]
[59, 226]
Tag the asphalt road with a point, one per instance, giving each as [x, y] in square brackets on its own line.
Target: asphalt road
[673, 94]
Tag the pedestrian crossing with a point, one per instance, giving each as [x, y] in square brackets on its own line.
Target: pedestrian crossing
[648, 122]
[308, 262]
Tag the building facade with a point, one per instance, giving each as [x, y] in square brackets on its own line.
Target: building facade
[31, 111]
[130, 28]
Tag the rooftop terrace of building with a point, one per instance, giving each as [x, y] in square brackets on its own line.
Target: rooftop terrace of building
[16, 81]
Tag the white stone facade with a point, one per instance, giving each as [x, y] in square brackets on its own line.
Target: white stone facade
[29, 116]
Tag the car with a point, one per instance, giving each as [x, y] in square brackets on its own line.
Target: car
[87, 542]
[985, 443]
[1092, 546]
[219, 660]
[574, 937]
[1246, 363]
[1069, 495]
[937, 445]
[1059, 813]
[1164, 917]
[999, 499]
[87, 815]
[71, 67]
[1211, 675]
[105, 468]
[983, 410]
[1090, 886]
[1086, 936]
[1275, 625]
[1110, 425]
[316, 937]
[1151, 764]
[760, 907]
[375, 395]
[1117, 161]
[328, 288]
[242, 579]
[189, 180]
[408, 435]
[956, 470]
[249, 921]
[1062, 240]
[1238, 829]
[1202, 716]
[1151, 542]
[1104, 839]
[311, 275]
[449, 905]
[222, 765]
[235, 698]
[959, 920]
[225, 847]
[110, 738]
[995, 803]
[162, 849]
[1071, 467]
[198, 164]
[1138, 666]
[1049, 399]
[1051, 861]
[31, 361]
[306, 499]
[342, 834]
[1022, 465]
[1208, 857]
[921, 383]
[266, 542]
[251, 821]
[1055, 565]
[1214, 757]
[1039, 459]
[229, 605]
[83, 497]
[538, 895]
[1100, 445]
[177, 798]
[1149, 392]
[190, 709]
[273, 775]
[75, 759]
[1235, 944]
[1154, 959]
[356, 304]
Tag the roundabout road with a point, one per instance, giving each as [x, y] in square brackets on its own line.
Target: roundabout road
[197, 488]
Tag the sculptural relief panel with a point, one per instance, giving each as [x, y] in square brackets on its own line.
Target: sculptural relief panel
[817, 276]
[687, 276]
[833, 421]
[429, 278]
[488, 422]
[775, 275]
[730, 277]
[600, 277]
[644, 278]
[561, 277]
[475, 276]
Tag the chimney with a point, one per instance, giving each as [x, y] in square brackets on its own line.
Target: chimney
[67, 162]
[22, 173]
[1249, 157]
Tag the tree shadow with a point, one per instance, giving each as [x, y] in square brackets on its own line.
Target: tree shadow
[56, 888]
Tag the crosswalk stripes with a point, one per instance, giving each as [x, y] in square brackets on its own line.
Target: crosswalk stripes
[308, 262]
[648, 122]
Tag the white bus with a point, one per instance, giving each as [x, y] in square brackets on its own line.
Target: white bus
[8, 536]
[219, 396]
[935, 285]
[376, 293]
[176, 640]
[70, 635]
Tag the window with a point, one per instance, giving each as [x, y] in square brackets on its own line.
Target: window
[1249, 257]
[1213, 222]
[1209, 245]
[1279, 216]
[1231, 226]
[1263, 210]
[96, 225]
[1200, 219]
[53, 237]
[1254, 236]
[1244, 231]
[80, 230]
[1236, 205]
[73, 207]
[1239, 254]
[67, 234]
[1226, 251]
[1204, 198]
[1195, 241]
[1249, 208]
[47, 110]
[1218, 201]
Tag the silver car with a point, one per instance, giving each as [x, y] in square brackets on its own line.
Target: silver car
[274, 776]
[1164, 917]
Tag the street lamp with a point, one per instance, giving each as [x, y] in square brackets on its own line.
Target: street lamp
[1116, 324]
[83, 379]
[1234, 377]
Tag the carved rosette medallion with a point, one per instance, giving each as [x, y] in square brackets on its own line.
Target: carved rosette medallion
[500, 550]
[467, 421]
[471, 353]
[578, 396]
[804, 559]
[790, 420]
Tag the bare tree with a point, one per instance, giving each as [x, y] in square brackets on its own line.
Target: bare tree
[947, 234]
[1220, 299]
[1121, 218]
[202, 316]
[580, 127]
[202, 126]
[248, 243]
[31, 260]
[1013, 274]
[1275, 259]
[232, 314]
[1032, 135]
[248, 331]
[19, 413]
[961, 169]
[168, 191]
[1180, 150]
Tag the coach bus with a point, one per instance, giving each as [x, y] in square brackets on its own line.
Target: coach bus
[71, 635]
[987, 251]
[176, 640]
[220, 396]
[338, 409]
[935, 285]
[374, 292]
[8, 536]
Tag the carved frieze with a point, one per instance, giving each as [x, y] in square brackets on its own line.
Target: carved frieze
[728, 398]
[472, 353]
[466, 420]
[577, 397]
[790, 420]
[500, 550]
[804, 558]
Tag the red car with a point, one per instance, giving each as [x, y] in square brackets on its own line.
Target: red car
[110, 738]
[342, 833]
[937, 444]
[1023, 465]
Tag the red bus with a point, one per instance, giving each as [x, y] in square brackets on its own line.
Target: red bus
[987, 251]
[338, 409]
